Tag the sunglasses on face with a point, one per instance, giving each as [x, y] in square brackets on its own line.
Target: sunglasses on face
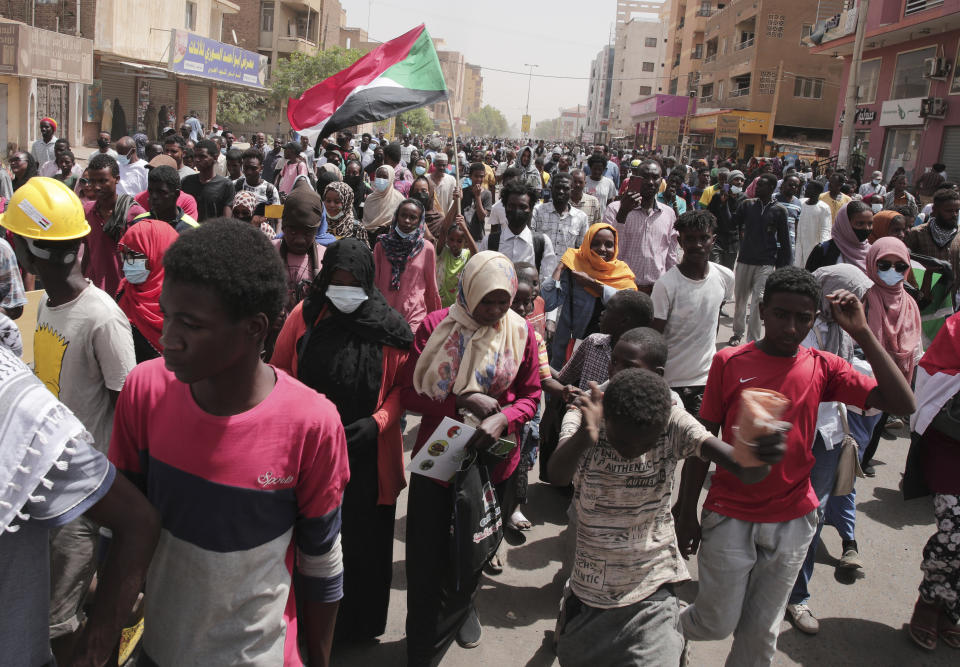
[885, 264]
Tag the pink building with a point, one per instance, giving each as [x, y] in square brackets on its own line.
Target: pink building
[908, 96]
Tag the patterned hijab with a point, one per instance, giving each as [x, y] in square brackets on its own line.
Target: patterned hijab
[400, 250]
[488, 356]
[347, 226]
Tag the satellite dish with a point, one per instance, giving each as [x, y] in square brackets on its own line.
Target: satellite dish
[234, 33]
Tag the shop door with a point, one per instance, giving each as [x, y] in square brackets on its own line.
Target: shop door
[900, 148]
[198, 99]
[53, 100]
[950, 152]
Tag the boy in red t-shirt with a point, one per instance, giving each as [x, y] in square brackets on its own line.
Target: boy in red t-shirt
[754, 538]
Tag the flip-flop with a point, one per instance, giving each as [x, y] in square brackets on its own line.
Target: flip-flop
[518, 521]
[494, 565]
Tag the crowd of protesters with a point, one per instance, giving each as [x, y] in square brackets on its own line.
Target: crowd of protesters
[241, 334]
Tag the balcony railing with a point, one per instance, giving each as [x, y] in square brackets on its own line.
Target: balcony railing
[914, 6]
[696, 55]
[709, 59]
[740, 92]
[706, 12]
[746, 44]
[706, 98]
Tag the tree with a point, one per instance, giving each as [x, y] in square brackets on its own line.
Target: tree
[417, 120]
[547, 129]
[236, 107]
[291, 76]
[488, 122]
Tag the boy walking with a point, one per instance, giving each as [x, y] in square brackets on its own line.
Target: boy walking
[246, 466]
[621, 455]
[754, 538]
[686, 307]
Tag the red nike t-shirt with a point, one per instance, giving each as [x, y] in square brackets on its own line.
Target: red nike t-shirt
[808, 379]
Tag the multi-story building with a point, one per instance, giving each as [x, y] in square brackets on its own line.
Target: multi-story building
[277, 28]
[472, 90]
[908, 89]
[572, 122]
[598, 96]
[46, 69]
[453, 66]
[355, 38]
[638, 60]
[685, 47]
[753, 66]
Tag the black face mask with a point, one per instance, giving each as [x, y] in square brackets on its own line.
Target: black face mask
[862, 234]
[352, 181]
[102, 143]
[519, 218]
[423, 198]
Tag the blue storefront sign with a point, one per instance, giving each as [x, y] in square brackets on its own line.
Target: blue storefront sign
[201, 56]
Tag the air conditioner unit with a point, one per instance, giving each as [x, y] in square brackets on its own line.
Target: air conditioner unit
[935, 68]
[933, 107]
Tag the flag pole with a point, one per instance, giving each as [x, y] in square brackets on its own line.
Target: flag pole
[456, 155]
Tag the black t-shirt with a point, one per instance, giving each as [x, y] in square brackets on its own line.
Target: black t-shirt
[211, 196]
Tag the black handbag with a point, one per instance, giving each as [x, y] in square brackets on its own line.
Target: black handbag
[476, 523]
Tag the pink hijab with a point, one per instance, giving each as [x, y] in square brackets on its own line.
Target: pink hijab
[892, 314]
[852, 249]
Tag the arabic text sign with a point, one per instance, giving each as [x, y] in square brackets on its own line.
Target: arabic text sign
[204, 57]
[901, 112]
[44, 54]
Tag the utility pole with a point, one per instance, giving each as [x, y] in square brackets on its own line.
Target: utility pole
[529, 84]
[776, 104]
[850, 103]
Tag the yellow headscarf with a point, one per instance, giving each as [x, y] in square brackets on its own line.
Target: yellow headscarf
[489, 355]
[615, 273]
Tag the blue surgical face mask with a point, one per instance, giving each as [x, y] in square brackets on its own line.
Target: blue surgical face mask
[405, 235]
[466, 183]
[123, 160]
[346, 299]
[136, 271]
[876, 181]
[381, 184]
[891, 276]
[419, 171]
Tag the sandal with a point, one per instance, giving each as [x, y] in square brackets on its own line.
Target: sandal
[923, 636]
[494, 565]
[949, 632]
[518, 521]
[735, 341]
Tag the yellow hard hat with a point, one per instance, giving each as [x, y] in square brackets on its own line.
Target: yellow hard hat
[45, 208]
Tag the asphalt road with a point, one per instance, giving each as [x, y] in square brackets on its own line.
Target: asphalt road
[861, 620]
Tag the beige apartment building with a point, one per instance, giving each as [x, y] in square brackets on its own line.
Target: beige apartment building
[639, 56]
[747, 43]
[687, 25]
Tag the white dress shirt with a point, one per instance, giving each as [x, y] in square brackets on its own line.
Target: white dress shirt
[519, 248]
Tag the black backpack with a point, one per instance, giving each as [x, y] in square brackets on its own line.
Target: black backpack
[539, 243]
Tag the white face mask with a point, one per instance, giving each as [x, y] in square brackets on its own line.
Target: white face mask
[735, 189]
[381, 184]
[346, 299]
[876, 207]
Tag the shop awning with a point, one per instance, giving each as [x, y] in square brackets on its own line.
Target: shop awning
[145, 71]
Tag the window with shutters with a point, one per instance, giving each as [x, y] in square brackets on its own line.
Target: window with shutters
[650, 42]
[808, 88]
[191, 15]
[266, 16]
[647, 67]
[645, 90]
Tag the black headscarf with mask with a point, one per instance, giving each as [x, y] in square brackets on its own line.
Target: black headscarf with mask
[341, 354]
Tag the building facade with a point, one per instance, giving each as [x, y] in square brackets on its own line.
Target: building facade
[598, 95]
[687, 24]
[908, 90]
[639, 58]
[754, 59]
[277, 28]
[45, 70]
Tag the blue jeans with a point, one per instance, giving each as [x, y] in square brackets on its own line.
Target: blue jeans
[838, 511]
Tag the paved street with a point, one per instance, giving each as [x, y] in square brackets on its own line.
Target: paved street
[862, 620]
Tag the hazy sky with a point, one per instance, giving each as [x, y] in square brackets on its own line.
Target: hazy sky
[561, 36]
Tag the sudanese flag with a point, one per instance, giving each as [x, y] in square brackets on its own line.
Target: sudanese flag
[397, 76]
